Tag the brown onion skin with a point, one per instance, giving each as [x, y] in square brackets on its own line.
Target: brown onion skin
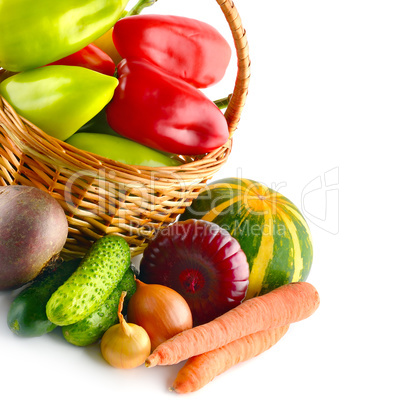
[33, 230]
[161, 311]
[125, 345]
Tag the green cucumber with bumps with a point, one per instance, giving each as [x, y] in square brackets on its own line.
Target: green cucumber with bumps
[27, 314]
[99, 272]
[91, 329]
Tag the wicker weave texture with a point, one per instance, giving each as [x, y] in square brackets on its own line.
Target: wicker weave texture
[102, 196]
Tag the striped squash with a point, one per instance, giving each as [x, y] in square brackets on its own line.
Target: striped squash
[270, 229]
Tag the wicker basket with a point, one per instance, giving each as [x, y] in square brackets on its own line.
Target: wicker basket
[101, 196]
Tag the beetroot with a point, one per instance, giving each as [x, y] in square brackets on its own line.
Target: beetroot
[202, 262]
[33, 230]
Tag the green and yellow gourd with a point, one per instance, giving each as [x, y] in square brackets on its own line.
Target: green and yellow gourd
[270, 229]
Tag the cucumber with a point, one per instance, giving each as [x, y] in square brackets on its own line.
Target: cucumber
[89, 286]
[90, 329]
[27, 314]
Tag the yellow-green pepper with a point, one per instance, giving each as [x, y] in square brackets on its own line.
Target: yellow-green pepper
[59, 99]
[35, 33]
[121, 149]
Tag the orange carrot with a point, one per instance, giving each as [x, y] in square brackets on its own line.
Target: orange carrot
[200, 370]
[282, 306]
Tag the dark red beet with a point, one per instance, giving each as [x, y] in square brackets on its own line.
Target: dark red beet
[33, 231]
[202, 262]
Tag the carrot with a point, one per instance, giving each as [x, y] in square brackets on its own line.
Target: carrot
[200, 370]
[282, 306]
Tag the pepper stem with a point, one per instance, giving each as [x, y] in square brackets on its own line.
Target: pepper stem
[141, 4]
[223, 103]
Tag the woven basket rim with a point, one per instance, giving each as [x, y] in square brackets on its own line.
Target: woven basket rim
[30, 139]
[31, 157]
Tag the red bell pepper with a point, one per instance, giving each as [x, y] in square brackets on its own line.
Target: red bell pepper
[184, 47]
[163, 112]
[90, 57]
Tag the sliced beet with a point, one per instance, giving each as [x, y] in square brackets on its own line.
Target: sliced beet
[202, 262]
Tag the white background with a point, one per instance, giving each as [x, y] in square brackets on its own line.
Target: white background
[321, 125]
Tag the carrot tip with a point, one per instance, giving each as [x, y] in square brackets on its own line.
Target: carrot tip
[151, 361]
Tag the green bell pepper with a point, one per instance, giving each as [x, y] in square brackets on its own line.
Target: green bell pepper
[59, 99]
[120, 149]
[36, 33]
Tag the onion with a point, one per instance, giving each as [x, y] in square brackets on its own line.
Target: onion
[161, 311]
[125, 345]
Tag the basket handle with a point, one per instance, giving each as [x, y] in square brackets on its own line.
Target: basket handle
[238, 98]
